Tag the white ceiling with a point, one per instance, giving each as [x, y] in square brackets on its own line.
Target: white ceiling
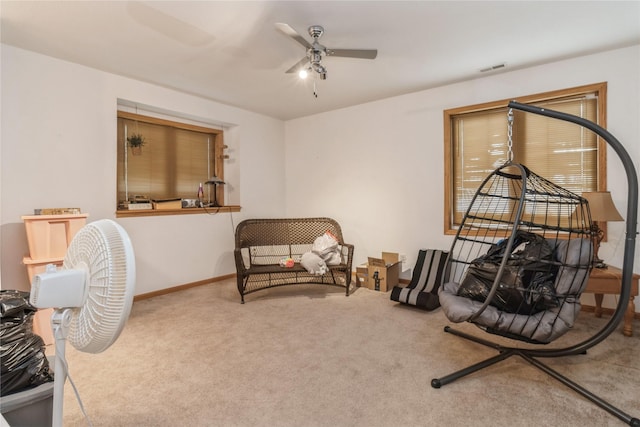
[231, 52]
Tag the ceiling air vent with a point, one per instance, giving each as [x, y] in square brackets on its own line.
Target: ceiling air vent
[493, 67]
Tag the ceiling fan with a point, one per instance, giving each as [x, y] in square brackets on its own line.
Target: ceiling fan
[315, 51]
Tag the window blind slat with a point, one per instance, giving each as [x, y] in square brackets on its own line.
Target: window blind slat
[173, 162]
[562, 152]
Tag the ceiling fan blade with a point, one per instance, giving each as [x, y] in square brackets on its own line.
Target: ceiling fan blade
[354, 53]
[300, 64]
[287, 30]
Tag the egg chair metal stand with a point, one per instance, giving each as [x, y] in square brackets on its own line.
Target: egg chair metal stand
[512, 208]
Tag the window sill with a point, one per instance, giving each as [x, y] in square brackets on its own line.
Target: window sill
[185, 211]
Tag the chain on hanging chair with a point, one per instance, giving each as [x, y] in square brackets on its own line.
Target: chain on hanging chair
[521, 259]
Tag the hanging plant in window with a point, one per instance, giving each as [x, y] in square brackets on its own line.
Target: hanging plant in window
[136, 141]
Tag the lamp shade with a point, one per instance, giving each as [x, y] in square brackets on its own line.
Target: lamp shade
[602, 207]
[215, 180]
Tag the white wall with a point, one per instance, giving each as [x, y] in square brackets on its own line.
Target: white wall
[58, 150]
[378, 168]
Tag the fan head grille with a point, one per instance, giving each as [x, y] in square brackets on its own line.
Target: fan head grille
[104, 251]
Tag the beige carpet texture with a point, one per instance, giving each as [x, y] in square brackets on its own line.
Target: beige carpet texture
[310, 356]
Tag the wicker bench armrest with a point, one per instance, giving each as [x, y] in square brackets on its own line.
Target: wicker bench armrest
[240, 266]
[347, 254]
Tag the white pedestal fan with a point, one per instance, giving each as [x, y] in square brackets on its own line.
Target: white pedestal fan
[92, 295]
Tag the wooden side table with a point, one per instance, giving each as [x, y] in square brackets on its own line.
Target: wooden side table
[609, 281]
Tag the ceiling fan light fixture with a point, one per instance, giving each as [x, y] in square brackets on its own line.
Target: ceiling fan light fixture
[320, 70]
[315, 52]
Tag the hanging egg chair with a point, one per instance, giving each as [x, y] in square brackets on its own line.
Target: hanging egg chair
[521, 259]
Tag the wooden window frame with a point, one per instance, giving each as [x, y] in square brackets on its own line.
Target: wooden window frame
[601, 170]
[218, 161]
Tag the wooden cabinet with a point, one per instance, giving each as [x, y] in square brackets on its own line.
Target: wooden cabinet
[48, 237]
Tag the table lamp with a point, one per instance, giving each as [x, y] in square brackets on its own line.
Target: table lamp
[602, 209]
[215, 181]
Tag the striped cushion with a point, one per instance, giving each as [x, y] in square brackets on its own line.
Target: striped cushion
[425, 281]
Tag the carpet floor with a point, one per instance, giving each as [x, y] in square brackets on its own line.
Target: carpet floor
[309, 356]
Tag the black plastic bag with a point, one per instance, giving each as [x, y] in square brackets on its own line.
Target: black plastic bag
[23, 363]
[527, 282]
[16, 314]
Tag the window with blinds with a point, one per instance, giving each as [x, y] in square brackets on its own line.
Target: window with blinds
[174, 160]
[476, 143]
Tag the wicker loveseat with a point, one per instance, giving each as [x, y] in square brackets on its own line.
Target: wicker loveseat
[262, 243]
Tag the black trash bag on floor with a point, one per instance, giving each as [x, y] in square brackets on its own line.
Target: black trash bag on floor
[23, 363]
[527, 282]
[16, 315]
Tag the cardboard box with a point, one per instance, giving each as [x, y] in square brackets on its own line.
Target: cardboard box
[161, 204]
[387, 269]
[57, 211]
[138, 206]
[362, 275]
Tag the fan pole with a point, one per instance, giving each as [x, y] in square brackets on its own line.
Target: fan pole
[60, 321]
